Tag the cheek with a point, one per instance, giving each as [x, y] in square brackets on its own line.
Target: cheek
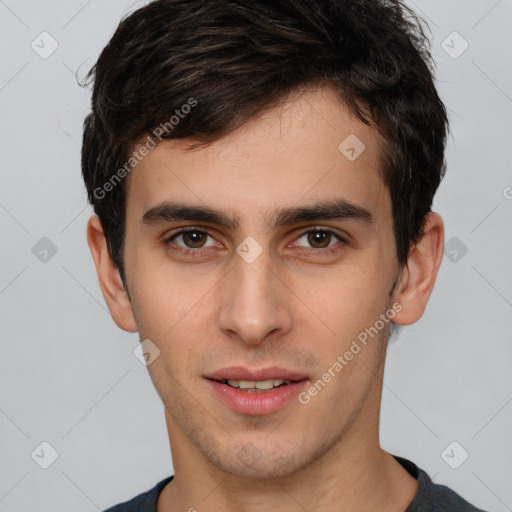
[344, 296]
[346, 309]
[163, 293]
[172, 310]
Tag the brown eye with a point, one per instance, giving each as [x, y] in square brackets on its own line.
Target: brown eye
[191, 239]
[320, 238]
[194, 239]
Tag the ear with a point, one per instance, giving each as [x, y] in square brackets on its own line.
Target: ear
[420, 273]
[115, 294]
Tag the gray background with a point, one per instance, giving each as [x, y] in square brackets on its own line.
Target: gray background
[68, 375]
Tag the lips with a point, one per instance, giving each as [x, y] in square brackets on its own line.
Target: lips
[247, 397]
[254, 375]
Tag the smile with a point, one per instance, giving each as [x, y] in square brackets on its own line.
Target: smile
[260, 386]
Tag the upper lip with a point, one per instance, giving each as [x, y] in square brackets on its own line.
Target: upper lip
[241, 373]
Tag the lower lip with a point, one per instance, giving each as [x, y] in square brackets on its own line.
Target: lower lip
[254, 403]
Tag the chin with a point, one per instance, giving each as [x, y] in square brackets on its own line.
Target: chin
[267, 467]
[264, 461]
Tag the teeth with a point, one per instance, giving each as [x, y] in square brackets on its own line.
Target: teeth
[267, 384]
[261, 384]
[246, 384]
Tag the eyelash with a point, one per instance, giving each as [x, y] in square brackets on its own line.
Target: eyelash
[195, 252]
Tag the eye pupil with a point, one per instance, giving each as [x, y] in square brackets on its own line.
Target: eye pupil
[197, 235]
[319, 237]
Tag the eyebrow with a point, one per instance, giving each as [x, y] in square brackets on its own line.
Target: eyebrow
[337, 209]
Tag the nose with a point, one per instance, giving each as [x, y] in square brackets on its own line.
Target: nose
[255, 301]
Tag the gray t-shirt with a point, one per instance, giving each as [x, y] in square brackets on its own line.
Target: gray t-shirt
[429, 497]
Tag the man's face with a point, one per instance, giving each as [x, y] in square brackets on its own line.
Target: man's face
[264, 293]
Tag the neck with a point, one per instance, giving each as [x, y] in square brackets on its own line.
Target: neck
[354, 475]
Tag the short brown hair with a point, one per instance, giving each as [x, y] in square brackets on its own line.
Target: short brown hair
[237, 58]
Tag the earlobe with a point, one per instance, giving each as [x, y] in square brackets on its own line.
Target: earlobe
[419, 276]
[116, 297]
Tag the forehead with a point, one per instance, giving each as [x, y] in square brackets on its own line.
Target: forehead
[309, 148]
